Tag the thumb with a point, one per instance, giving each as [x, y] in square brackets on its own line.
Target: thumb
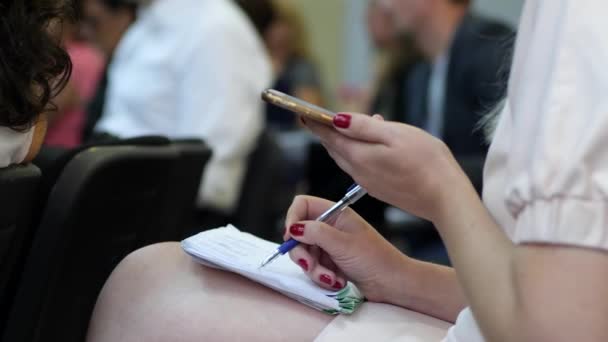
[361, 127]
[316, 233]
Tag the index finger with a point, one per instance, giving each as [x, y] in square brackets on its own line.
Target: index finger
[362, 127]
[306, 208]
[309, 208]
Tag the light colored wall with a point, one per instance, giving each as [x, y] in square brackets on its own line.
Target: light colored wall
[325, 20]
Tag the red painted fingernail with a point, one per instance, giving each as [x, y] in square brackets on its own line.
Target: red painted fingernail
[304, 264]
[338, 285]
[325, 279]
[302, 120]
[342, 120]
[297, 229]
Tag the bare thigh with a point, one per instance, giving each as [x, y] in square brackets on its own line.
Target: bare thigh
[159, 294]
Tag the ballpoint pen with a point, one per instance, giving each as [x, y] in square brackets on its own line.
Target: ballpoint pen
[353, 195]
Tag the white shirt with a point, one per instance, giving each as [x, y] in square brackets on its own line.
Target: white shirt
[14, 145]
[546, 177]
[192, 69]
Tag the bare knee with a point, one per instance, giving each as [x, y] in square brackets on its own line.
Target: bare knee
[130, 287]
[159, 294]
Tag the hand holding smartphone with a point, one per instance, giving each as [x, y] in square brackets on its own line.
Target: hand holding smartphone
[307, 110]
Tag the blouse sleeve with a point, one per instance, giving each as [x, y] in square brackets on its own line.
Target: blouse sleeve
[558, 185]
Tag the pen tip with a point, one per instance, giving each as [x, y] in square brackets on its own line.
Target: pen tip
[269, 259]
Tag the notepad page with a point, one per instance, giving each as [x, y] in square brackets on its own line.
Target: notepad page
[242, 253]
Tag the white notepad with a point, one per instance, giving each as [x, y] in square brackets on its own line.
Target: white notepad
[229, 249]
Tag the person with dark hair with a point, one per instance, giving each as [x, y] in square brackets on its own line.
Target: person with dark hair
[66, 124]
[104, 23]
[34, 68]
[262, 13]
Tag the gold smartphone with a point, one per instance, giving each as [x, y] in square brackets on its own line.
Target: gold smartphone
[307, 110]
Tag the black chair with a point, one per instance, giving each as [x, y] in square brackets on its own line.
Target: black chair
[194, 156]
[262, 204]
[107, 202]
[52, 161]
[18, 185]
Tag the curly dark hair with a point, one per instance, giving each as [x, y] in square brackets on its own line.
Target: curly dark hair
[33, 65]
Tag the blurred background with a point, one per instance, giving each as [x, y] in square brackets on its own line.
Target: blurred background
[190, 70]
[340, 42]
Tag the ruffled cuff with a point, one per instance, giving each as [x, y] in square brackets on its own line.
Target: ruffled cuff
[564, 220]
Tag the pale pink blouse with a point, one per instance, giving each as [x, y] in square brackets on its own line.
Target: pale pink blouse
[546, 178]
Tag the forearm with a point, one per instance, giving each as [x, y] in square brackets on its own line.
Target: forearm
[430, 289]
[482, 255]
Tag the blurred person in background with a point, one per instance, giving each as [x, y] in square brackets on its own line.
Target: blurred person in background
[458, 74]
[66, 123]
[35, 68]
[262, 13]
[191, 69]
[459, 79]
[396, 53]
[104, 23]
[295, 71]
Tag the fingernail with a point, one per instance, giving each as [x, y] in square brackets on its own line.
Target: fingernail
[297, 229]
[325, 279]
[304, 264]
[302, 120]
[342, 120]
[338, 285]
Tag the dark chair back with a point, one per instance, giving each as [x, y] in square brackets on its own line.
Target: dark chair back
[194, 156]
[259, 206]
[18, 185]
[107, 202]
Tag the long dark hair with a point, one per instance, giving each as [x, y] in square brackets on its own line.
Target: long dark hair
[33, 65]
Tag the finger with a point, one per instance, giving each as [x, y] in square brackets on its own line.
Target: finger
[307, 257]
[326, 278]
[303, 258]
[306, 208]
[315, 233]
[326, 261]
[319, 128]
[361, 127]
[342, 162]
[378, 117]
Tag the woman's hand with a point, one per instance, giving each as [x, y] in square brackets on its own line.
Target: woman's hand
[351, 250]
[396, 163]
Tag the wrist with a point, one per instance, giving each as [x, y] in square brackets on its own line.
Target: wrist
[452, 193]
[394, 289]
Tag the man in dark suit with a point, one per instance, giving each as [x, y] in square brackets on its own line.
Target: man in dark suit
[462, 75]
